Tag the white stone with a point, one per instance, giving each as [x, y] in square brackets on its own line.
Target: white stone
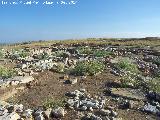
[24, 79]
[10, 116]
[47, 113]
[105, 112]
[83, 108]
[40, 117]
[59, 112]
[19, 108]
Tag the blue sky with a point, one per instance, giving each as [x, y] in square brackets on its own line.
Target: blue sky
[87, 18]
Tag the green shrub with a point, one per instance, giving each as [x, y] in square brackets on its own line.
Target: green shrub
[102, 53]
[42, 56]
[154, 85]
[88, 68]
[59, 54]
[1, 54]
[127, 65]
[85, 50]
[23, 54]
[60, 67]
[131, 69]
[130, 80]
[80, 68]
[6, 73]
[95, 67]
[149, 85]
[51, 103]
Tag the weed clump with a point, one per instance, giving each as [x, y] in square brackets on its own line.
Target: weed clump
[51, 103]
[6, 73]
[102, 53]
[154, 85]
[127, 65]
[85, 50]
[88, 68]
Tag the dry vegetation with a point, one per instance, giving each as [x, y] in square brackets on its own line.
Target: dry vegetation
[93, 41]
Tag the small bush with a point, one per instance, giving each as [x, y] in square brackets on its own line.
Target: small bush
[149, 85]
[102, 53]
[6, 73]
[23, 54]
[127, 65]
[51, 103]
[154, 85]
[88, 68]
[1, 54]
[59, 54]
[60, 67]
[130, 79]
[42, 56]
[85, 50]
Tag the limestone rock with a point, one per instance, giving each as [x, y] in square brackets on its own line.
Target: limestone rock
[58, 113]
[128, 93]
[10, 116]
[47, 113]
[105, 112]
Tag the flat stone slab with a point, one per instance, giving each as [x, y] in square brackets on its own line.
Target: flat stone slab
[133, 94]
[21, 79]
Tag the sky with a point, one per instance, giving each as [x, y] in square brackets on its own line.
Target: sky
[84, 19]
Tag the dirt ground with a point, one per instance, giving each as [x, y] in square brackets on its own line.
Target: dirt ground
[49, 85]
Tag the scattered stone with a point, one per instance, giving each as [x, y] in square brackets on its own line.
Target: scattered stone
[65, 77]
[110, 107]
[150, 109]
[3, 103]
[105, 112]
[58, 113]
[47, 113]
[91, 109]
[127, 104]
[83, 77]
[38, 115]
[82, 90]
[153, 96]
[20, 79]
[130, 104]
[83, 108]
[117, 119]
[19, 108]
[11, 108]
[106, 118]
[71, 81]
[3, 111]
[91, 116]
[80, 100]
[27, 113]
[10, 116]
[114, 114]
